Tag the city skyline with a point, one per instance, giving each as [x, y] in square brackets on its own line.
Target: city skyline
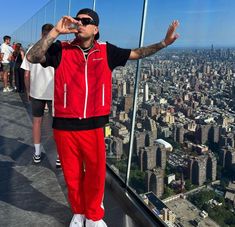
[185, 99]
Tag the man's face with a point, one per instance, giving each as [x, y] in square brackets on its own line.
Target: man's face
[86, 28]
[8, 41]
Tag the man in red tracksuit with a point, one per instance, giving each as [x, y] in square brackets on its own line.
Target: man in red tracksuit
[82, 102]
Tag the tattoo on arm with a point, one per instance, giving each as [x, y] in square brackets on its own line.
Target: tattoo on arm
[143, 52]
[37, 53]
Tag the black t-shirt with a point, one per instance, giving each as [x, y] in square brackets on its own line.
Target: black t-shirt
[116, 57]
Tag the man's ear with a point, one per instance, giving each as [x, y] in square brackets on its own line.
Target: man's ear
[96, 30]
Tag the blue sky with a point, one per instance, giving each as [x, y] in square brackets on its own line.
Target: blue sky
[202, 22]
[16, 12]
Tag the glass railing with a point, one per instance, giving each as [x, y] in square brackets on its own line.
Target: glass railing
[182, 144]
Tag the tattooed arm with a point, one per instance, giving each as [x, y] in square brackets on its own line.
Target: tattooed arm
[37, 53]
[152, 49]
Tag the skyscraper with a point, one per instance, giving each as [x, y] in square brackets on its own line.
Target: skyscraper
[161, 156]
[197, 170]
[147, 158]
[155, 181]
[146, 92]
[128, 102]
[211, 167]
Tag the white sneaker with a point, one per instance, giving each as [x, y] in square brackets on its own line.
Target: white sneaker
[77, 220]
[9, 89]
[100, 223]
[37, 158]
[58, 163]
[5, 89]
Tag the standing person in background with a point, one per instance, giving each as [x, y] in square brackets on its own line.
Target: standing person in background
[39, 87]
[82, 104]
[6, 51]
[18, 56]
[1, 72]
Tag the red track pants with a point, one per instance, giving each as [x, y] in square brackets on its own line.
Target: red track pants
[82, 156]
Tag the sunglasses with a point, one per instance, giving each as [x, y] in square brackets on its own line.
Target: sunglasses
[85, 20]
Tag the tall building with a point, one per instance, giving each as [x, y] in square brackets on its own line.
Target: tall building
[119, 88]
[155, 181]
[211, 167]
[233, 95]
[169, 118]
[222, 155]
[147, 158]
[152, 70]
[197, 170]
[215, 133]
[202, 133]
[117, 148]
[139, 141]
[152, 109]
[161, 156]
[129, 87]
[122, 116]
[191, 126]
[150, 125]
[146, 92]
[124, 88]
[128, 102]
[227, 157]
[227, 140]
[202, 168]
[179, 132]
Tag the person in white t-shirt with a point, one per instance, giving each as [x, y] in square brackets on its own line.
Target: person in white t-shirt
[39, 85]
[6, 53]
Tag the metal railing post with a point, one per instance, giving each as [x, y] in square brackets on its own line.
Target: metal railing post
[137, 78]
[54, 21]
[94, 5]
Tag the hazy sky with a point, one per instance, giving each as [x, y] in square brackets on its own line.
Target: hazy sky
[16, 12]
[202, 22]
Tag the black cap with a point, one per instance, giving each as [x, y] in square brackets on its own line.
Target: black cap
[94, 17]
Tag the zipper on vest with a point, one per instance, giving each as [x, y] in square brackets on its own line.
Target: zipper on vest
[86, 95]
[86, 82]
[65, 95]
[103, 94]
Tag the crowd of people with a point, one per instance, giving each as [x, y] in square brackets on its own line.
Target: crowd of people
[11, 57]
[37, 85]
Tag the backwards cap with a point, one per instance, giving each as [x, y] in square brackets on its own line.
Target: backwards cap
[94, 17]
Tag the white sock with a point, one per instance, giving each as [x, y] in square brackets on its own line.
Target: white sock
[37, 149]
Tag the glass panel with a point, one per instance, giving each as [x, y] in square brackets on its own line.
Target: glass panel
[62, 8]
[183, 166]
[40, 21]
[120, 27]
[76, 5]
[50, 12]
[34, 29]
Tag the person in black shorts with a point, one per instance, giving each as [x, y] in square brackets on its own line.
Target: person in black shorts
[39, 85]
[82, 104]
